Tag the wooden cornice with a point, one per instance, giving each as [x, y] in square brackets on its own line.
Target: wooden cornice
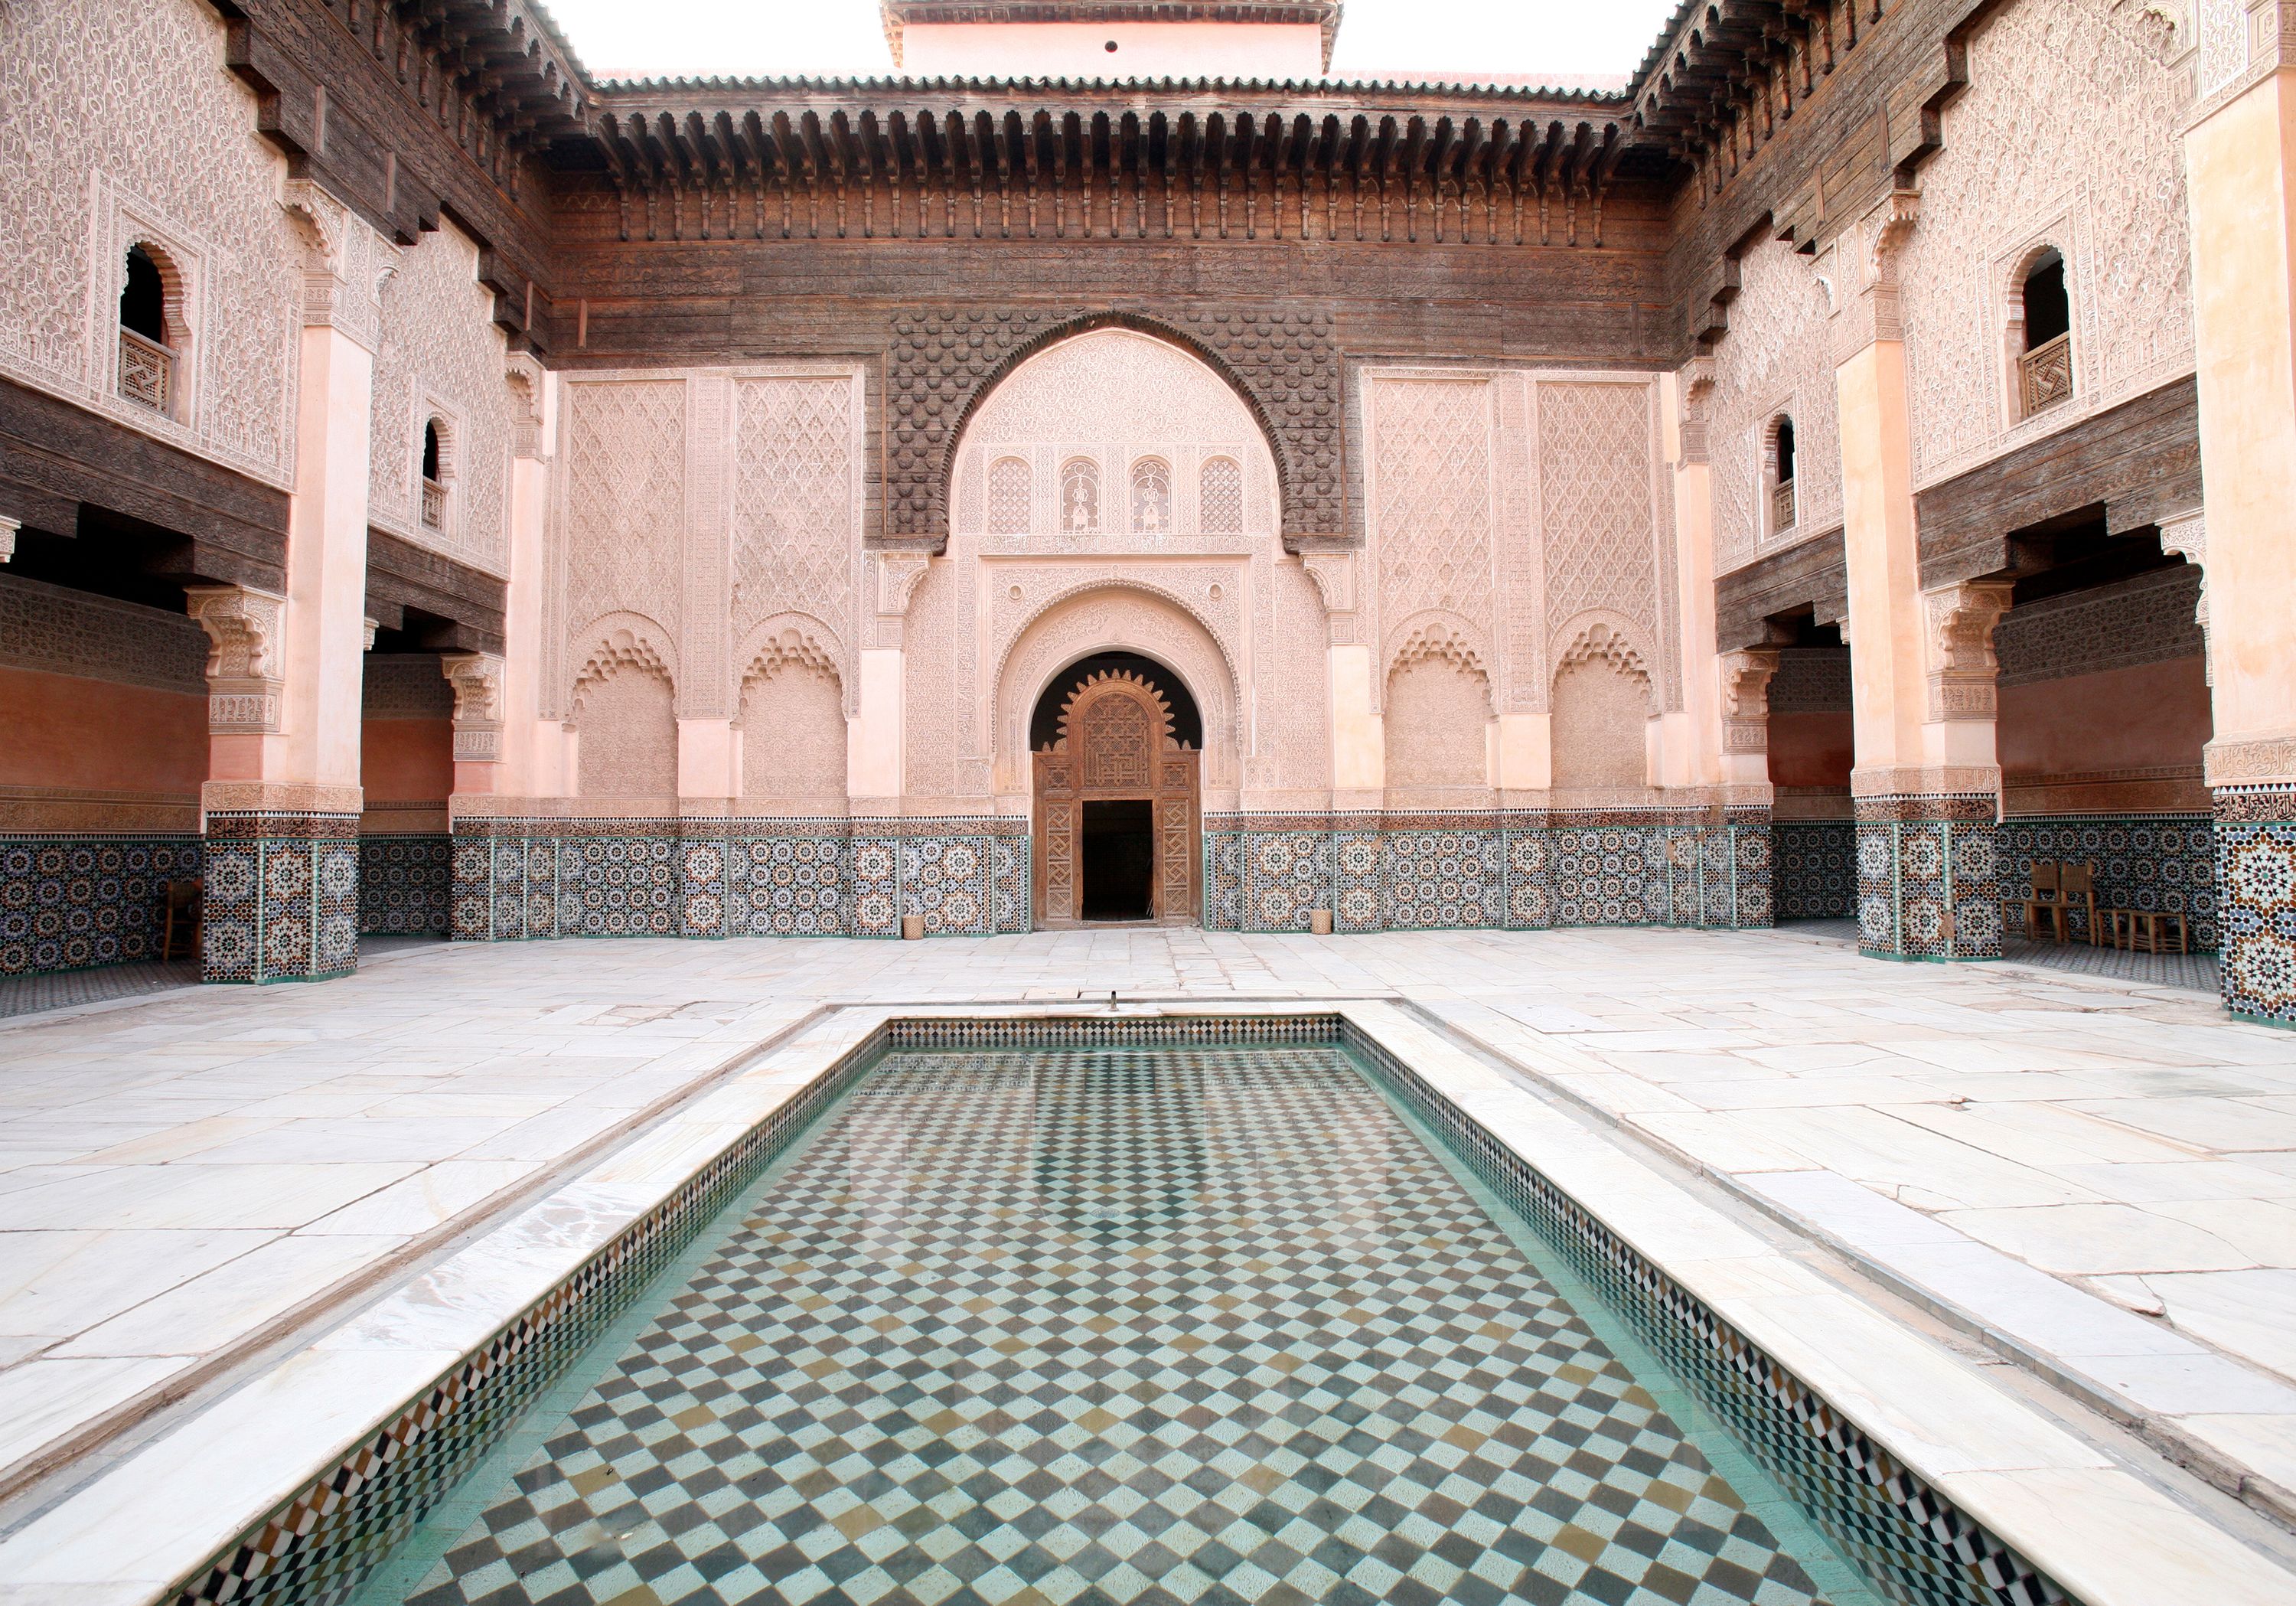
[887, 159]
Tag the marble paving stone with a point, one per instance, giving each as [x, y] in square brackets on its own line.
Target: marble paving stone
[204, 1313]
[2250, 1313]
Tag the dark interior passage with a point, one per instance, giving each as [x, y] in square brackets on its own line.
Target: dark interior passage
[1119, 859]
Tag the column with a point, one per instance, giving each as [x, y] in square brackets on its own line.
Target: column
[2240, 165]
[504, 874]
[1926, 784]
[282, 803]
[1358, 735]
[873, 749]
[1720, 743]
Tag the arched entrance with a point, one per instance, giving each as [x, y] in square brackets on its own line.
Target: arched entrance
[1118, 770]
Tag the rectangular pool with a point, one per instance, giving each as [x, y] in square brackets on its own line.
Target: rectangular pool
[1120, 1324]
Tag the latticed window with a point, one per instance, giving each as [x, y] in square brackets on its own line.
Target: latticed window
[1781, 474]
[2044, 369]
[1008, 497]
[1152, 496]
[1079, 496]
[1219, 502]
[434, 477]
[147, 359]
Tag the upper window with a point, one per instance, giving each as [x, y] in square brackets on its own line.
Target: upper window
[1781, 476]
[2044, 367]
[149, 330]
[1008, 497]
[1079, 496]
[1152, 496]
[436, 470]
[1219, 499]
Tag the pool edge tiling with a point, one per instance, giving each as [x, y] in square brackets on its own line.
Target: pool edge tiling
[1900, 1478]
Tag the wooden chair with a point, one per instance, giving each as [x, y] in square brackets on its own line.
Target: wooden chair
[2077, 889]
[2148, 930]
[2040, 901]
[181, 922]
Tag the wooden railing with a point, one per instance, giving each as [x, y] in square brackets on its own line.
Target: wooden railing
[434, 505]
[146, 368]
[1781, 506]
[2044, 374]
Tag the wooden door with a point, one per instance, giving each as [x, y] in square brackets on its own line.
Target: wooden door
[1116, 744]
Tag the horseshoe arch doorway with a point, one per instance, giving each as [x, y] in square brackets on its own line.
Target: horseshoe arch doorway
[1117, 760]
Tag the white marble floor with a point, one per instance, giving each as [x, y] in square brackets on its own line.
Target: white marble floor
[183, 1177]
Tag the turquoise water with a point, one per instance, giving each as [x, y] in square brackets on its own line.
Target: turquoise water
[1136, 1325]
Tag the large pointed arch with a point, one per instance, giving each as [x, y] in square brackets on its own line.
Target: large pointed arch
[941, 474]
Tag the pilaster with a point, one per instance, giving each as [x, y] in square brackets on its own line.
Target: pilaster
[2240, 164]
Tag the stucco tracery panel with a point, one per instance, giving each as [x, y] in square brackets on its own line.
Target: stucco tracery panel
[1597, 506]
[624, 505]
[794, 727]
[1088, 411]
[797, 499]
[1777, 359]
[116, 117]
[439, 345]
[2067, 136]
[1430, 496]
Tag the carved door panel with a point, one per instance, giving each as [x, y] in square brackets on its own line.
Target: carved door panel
[1057, 819]
[1116, 744]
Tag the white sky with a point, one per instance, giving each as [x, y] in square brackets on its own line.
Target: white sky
[1512, 38]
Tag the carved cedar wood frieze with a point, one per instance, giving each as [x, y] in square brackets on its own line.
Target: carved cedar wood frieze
[1284, 364]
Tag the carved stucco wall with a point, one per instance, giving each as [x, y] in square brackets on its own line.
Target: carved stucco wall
[1777, 359]
[713, 515]
[1600, 713]
[1216, 600]
[2067, 136]
[119, 121]
[1515, 510]
[441, 354]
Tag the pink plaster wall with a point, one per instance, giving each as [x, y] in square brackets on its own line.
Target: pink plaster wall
[2152, 715]
[1211, 50]
[1811, 749]
[2100, 743]
[67, 732]
[406, 761]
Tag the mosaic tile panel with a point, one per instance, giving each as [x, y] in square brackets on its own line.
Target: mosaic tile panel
[1610, 875]
[282, 895]
[406, 884]
[945, 879]
[1816, 868]
[704, 887]
[876, 886]
[2163, 863]
[1444, 879]
[70, 901]
[847, 1402]
[1283, 869]
[793, 881]
[1928, 877]
[1907, 1538]
[2256, 878]
[1223, 881]
[1530, 878]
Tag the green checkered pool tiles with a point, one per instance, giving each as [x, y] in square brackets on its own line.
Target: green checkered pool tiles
[1155, 1326]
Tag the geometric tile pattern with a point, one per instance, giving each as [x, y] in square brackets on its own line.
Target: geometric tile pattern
[1928, 877]
[406, 883]
[1520, 869]
[281, 892]
[70, 901]
[1816, 867]
[1908, 1539]
[708, 878]
[2163, 863]
[1243, 1338]
[2256, 882]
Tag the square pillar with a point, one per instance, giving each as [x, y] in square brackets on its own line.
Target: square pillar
[285, 673]
[2240, 167]
[1927, 783]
